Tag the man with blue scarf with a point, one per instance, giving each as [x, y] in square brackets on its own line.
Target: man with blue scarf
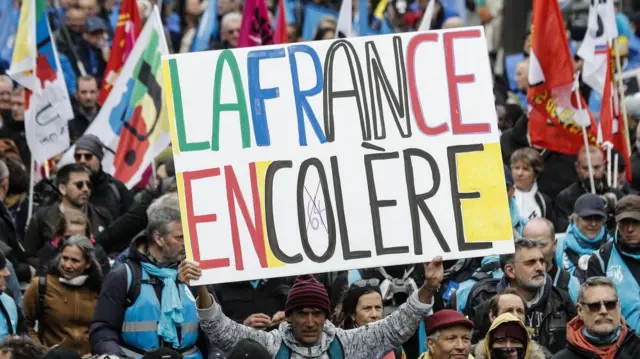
[143, 306]
[619, 260]
[586, 233]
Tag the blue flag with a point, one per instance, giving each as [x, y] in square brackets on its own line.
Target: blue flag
[312, 16]
[207, 28]
[8, 27]
[363, 18]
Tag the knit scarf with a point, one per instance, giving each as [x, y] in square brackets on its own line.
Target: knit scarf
[580, 244]
[75, 282]
[170, 304]
[602, 340]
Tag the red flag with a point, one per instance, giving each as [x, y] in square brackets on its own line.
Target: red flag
[281, 25]
[127, 31]
[556, 117]
[255, 29]
[614, 132]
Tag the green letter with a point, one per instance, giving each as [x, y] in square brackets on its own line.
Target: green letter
[240, 106]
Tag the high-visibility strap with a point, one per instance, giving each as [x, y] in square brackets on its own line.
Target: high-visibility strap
[133, 327]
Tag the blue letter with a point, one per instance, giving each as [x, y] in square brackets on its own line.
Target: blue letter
[258, 94]
[302, 105]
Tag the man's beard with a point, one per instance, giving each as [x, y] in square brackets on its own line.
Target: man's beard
[597, 182]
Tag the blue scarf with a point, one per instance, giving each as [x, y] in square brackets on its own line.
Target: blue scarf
[170, 305]
[600, 340]
[580, 243]
[517, 222]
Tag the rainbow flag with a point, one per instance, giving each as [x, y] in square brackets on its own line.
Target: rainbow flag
[133, 122]
[36, 66]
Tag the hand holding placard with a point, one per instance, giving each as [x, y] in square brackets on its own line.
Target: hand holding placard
[433, 276]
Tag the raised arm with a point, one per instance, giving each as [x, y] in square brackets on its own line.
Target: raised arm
[380, 337]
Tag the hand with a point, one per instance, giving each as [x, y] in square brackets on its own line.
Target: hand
[188, 271]
[277, 318]
[433, 273]
[257, 321]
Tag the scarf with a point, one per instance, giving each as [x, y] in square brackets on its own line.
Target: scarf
[517, 222]
[74, 282]
[526, 201]
[170, 304]
[580, 243]
[602, 340]
[627, 251]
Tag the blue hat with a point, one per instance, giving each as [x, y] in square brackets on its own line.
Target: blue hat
[95, 23]
[589, 205]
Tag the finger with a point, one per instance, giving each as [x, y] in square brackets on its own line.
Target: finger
[262, 316]
[262, 322]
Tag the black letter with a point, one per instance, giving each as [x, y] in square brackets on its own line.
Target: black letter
[377, 76]
[358, 89]
[457, 197]
[268, 207]
[331, 226]
[417, 201]
[375, 204]
[344, 234]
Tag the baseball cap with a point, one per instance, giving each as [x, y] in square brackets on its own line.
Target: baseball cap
[446, 318]
[628, 207]
[95, 23]
[589, 205]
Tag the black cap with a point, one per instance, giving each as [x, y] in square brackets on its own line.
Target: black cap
[95, 23]
[589, 205]
[249, 349]
[61, 353]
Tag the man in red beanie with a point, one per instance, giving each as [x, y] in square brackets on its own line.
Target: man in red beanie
[307, 334]
[448, 336]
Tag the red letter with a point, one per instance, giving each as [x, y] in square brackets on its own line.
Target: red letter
[415, 100]
[255, 229]
[453, 81]
[193, 220]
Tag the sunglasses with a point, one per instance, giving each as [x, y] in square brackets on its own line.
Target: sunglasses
[373, 282]
[81, 184]
[87, 156]
[595, 307]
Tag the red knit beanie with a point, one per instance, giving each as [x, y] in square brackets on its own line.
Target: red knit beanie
[307, 292]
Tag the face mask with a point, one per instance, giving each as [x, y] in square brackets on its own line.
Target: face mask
[507, 353]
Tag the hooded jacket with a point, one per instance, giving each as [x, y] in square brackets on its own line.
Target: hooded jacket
[627, 347]
[370, 341]
[482, 350]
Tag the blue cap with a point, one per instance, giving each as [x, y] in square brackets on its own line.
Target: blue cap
[95, 23]
[589, 205]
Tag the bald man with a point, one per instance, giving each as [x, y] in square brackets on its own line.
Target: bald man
[542, 230]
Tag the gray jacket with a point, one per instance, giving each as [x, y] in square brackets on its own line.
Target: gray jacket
[371, 341]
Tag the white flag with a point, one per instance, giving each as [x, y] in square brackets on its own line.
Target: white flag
[345, 20]
[425, 23]
[601, 31]
[133, 121]
[35, 65]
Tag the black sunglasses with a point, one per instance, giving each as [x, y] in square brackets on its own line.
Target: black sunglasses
[595, 307]
[81, 184]
[87, 156]
[373, 282]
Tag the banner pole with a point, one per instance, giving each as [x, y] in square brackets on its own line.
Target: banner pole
[584, 136]
[615, 169]
[609, 173]
[623, 107]
[31, 187]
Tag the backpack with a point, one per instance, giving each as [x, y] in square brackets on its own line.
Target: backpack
[481, 292]
[134, 281]
[336, 351]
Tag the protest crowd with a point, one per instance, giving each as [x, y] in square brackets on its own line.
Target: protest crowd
[93, 259]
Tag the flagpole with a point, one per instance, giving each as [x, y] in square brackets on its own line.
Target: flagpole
[609, 174]
[31, 187]
[584, 136]
[623, 107]
[615, 169]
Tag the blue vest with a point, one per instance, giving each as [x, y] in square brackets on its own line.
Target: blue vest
[12, 310]
[628, 289]
[140, 325]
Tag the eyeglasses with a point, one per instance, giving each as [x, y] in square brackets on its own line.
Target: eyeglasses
[81, 184]
[373, 282]
[595, 307]
[87, 156]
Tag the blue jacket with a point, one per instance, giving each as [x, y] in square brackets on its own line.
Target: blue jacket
[106, 330]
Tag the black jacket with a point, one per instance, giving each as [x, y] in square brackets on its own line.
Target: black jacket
[629, 349]
[239, 300]
[79, 124]
[111, 194]
[105, 329]
[567, 199]
[12, 247]
[44, 223]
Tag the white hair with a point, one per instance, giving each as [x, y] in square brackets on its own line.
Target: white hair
[229, 17]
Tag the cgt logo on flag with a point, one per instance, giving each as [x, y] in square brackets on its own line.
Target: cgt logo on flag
[138, 113]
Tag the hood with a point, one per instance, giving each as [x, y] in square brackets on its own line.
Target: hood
[315, 351]
[576, 339]
[537, 351]
[505, 318]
